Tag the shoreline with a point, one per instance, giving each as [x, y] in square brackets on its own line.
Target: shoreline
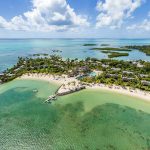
[135, 93]
[50, 78]
[63, 79]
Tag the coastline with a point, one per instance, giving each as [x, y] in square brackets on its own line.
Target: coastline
[63, 79]
[50, 78]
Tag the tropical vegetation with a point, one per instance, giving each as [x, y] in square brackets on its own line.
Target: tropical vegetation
[123, 73]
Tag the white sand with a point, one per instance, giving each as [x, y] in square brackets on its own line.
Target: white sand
[64, 80]
[135, 93]
[50, 78]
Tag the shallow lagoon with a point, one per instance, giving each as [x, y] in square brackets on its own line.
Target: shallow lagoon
[90, 119]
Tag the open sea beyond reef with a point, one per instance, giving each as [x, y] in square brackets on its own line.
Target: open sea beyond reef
[86, 120]
[10, 49]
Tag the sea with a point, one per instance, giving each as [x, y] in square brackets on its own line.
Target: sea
[11, 49]
[86, 120]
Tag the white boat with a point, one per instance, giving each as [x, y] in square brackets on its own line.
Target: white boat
[35, 91]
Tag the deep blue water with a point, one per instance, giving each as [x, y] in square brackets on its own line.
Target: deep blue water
[10, 49]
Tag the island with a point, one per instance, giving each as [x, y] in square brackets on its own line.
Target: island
[89, 44]
[115, 54]
[112, 49]
[89, 71]
[39, 54]
[105, 44]
[144, 48]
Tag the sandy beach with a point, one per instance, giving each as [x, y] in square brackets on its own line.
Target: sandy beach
[63, 79]
[136, 93]
[50, 78]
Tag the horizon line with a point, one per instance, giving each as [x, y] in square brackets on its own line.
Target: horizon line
[78, 38]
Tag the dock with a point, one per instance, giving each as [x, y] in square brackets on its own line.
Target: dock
[63, 92]
[51, 98]
[66, 89]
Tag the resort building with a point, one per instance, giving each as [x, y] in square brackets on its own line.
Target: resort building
[105, 66]
[127, 72]
[140, 65]
[79, 71]
[1, 74]
[116, 69]
[112, 75]
[145, 83]
[144, 76]
[125, 79]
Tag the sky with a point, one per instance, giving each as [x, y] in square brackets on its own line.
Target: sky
[75, 19]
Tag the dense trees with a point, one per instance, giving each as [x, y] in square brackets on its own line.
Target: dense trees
[124, 73]
[144, 48]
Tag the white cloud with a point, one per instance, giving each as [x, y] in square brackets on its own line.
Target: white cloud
[46, 15]
[145, 25]
[149, 14]
[112, 13]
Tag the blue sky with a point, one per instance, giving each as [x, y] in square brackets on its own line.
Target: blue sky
[75, 18]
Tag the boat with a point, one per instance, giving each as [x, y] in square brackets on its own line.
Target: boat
[35, 91]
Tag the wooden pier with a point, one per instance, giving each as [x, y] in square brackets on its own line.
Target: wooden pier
[61, 91]
[51, 98]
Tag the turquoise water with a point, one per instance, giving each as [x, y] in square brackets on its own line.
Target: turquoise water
[92, 74]
[71, 48]
[87, 120]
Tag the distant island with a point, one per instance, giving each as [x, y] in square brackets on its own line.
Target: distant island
[112, 50]
[144, 48]
[112, 54]
[105, 44]
[89, 44]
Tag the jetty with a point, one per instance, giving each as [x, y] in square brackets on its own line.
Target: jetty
[65, 89]
[62, 91]
[69, 88]
[51, 98]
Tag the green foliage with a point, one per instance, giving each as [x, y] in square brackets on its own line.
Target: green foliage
[89, 44]
[116, 54]
[145, 48]
[111, 49]
[109, 68]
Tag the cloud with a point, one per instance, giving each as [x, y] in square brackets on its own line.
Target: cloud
[145, 25]
[46, 15]
[149, 14]
[112, 13]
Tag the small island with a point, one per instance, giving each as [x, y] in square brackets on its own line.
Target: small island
[89, 44]
[112, 49]
[105, 44]
[115, 54]
[39, 54]
[144, 48]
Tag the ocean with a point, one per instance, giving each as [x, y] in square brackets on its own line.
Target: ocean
[86, 120]
[11, 49]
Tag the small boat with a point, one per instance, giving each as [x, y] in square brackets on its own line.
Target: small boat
[35, 91]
